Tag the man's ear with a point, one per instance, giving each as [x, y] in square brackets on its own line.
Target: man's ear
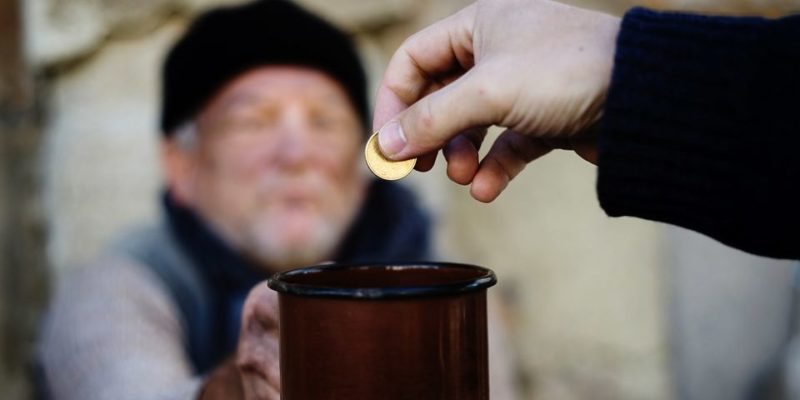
[178, 165]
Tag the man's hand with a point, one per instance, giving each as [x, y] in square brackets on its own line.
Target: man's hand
[538, 68]
[257, 353]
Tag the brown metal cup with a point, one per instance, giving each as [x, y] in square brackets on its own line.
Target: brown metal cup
[394, 331]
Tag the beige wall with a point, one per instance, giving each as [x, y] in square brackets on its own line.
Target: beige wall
[585, 294]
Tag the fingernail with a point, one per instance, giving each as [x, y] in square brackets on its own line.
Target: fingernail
[391, 139]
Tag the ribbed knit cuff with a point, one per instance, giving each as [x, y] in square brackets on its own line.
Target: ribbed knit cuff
[702, 128]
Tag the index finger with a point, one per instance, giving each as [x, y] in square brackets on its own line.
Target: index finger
[425, 59]
[261, 307]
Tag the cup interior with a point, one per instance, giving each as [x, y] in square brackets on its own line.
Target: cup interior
[389, 280]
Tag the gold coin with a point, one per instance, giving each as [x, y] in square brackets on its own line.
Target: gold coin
[383, 167]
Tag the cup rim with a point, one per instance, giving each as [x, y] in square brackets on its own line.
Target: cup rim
[278, 282]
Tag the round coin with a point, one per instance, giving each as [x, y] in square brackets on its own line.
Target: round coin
[383, 167]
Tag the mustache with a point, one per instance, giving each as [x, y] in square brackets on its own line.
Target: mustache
[311, 184]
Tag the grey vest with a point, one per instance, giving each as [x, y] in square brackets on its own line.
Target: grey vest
[157, 249]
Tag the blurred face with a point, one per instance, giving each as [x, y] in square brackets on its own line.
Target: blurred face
[274, 166]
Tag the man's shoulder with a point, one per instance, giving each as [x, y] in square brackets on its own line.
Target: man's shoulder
[122, 268]
[114, 270]
[140, 239]
[98, 305]
[155, 248]
[115, 284]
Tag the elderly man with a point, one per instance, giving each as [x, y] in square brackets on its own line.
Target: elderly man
[264, 117]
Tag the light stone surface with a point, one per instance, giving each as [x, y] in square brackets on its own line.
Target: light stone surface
[101, 166]
[54, 35]
[730, 315]
[358, 15]
[60, 31]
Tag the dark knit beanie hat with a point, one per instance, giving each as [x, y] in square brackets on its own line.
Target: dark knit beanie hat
[223, 43]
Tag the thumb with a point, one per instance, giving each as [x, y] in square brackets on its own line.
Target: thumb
[470, 101]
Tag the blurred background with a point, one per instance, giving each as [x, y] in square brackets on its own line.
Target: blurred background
[597, 308]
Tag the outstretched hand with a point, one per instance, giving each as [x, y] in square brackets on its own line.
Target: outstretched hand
[537, 68]
[257, 355]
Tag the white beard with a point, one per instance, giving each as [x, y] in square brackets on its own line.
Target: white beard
[270, 247]
[284, 237]
[286, 233]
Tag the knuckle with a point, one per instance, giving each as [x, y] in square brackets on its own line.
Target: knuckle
[400, 88]
[256, 295]
[253, 361]
[245, 361]
[426, 119]
[491, 95]
[494, 88]
[264, 315]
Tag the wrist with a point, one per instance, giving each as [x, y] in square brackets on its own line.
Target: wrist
[607, 32]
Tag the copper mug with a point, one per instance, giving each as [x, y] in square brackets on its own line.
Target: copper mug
[384, 331]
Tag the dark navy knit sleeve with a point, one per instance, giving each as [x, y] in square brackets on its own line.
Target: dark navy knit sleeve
[702, 128]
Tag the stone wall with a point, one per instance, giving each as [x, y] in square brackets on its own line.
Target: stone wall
[585, 295]
[22, 264]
